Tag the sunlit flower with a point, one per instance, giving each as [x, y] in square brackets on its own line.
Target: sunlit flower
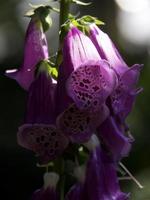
[35, 50]
[92, 80]
[120, 102]
[114, 139]
[123, 97]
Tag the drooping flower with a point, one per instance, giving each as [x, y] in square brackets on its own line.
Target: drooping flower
[123, 97]
[99, 179]
[114, 139]
[91, 80]
[35, 50]
[77, 49]
[48, 191]
[39, 133]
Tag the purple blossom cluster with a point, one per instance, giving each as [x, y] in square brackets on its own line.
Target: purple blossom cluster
[88, 105]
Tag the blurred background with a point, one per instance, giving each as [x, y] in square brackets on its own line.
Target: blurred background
[128, 23]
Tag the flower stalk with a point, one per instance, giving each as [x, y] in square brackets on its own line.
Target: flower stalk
[64, 11]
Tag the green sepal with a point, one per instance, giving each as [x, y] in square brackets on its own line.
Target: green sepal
[42, 13]
[47, 67]
[87, 19]
[81, 3]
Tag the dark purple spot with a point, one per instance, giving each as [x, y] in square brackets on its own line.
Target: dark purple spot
[38, 140]
[42, 138]
[56, 144]
[51, 151]
[46, 144]
[95, 103]
[81, 84]
[86, 81]
[95, 88]
[53, 133]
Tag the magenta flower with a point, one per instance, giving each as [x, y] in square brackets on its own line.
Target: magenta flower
[91, 80]
[114, 139]
[123, 98]
[48, 191]
[99, 180]
[35, 50]
[77, 49]
[39, 132]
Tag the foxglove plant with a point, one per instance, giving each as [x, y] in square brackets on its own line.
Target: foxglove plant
[80, 117]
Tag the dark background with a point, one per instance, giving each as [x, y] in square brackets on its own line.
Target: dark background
[130, 31]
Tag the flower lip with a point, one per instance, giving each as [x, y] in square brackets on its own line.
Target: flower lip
[91, 84]
[45, 140]
[79, 125]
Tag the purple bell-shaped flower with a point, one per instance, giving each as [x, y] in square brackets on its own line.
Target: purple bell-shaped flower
[35, 50]
[39, 133]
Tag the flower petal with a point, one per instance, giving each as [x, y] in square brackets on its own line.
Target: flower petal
[107, 49]
[123, 98]
[75, 192]
[91, 84]
[101, 178]
[116, 142]
[35, 49]
[45, 140]
[79, 125]
[40, 103]
[77, 49]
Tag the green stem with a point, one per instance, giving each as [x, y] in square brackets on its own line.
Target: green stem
[62, 182]
[64, 15]
[64, 11]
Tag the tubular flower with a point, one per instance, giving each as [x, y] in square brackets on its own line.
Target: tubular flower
[48, 191]
[77, 49]
[35, 50]
[91, 80]
[123, 97]
[114, 139]
[101, 182]
[98, 180]
[39, 133]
